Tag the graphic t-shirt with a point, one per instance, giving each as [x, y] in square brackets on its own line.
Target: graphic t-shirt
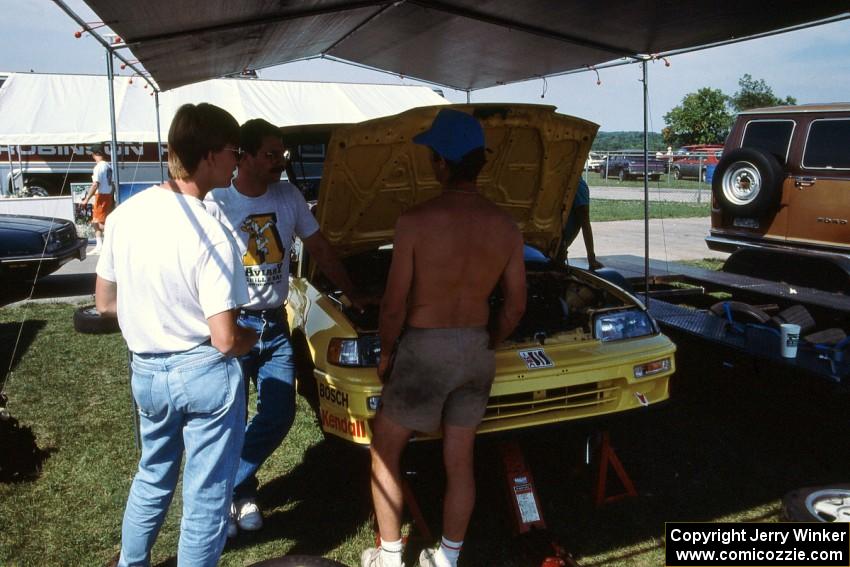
[263, 228]
[102, 174]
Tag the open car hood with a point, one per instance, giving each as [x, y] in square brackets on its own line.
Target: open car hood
[373, 172]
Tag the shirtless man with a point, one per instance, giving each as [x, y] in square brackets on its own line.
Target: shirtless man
[448, 255]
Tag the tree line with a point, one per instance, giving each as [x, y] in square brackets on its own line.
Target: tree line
[703, 117]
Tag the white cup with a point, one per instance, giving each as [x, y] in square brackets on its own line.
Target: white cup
[789, 336]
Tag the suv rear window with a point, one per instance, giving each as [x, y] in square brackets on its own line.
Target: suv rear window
[828, 145]
[773, 136]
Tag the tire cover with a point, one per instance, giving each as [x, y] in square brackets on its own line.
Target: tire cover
[800, 505]
[88, 320]
[770, 176]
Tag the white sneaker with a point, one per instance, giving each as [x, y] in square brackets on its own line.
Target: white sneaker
[95, 251]
[232, 528]
[248, 515]
[372, 558]
[428, 558]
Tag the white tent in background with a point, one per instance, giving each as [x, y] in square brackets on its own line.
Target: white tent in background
[74, 109]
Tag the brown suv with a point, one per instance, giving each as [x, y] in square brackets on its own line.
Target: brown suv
[783, 187]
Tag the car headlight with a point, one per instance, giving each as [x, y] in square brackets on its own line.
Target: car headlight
[362, 351]
[51, 242]
[623, 325]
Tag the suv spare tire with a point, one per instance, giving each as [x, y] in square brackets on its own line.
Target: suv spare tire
[88, 320]
[747, 182]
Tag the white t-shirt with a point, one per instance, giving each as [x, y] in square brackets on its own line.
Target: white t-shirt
[174, 265]
[264, 227]
[102, 175]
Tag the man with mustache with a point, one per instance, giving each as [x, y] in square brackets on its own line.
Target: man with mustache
[264, 214]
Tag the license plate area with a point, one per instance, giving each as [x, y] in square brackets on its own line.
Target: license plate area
[745, 223]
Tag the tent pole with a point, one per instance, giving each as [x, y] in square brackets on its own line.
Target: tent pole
[110, 77]
[158, 138]
[645, 184]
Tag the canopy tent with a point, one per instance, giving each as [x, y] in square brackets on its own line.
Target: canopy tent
[62, 109]
[464, 44]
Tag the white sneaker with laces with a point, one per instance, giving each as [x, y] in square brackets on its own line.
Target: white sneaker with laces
[428, 558]
[248, 515]
[372, 558]
[232, 528]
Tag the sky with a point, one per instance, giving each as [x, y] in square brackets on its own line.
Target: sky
[812, 65]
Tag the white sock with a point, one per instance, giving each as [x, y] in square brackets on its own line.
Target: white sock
[391, 553]
[98, 241]
[448, 552]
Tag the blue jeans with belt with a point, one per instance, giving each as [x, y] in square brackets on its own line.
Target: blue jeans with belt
[190, 402]
[271, 366]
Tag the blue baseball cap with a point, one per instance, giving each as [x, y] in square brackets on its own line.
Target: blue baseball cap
[453, 134]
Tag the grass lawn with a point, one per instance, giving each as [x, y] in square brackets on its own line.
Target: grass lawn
[705, 263]
[614, 210]
[734, 438]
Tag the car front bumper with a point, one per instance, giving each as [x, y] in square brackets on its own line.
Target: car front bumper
[25, 266]
[587, 379]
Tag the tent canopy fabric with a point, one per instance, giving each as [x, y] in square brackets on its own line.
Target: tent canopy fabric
[65, 109]
[464, 44]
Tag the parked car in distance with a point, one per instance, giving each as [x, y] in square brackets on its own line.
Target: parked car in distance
[781, 195]
[584, 348]
[32, 247]
[594, 162]
[691, 162]
[629, 164]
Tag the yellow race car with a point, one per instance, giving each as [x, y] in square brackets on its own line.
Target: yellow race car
[585, 346]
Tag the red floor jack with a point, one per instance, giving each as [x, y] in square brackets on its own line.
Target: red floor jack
[525, 502]
[527, 512]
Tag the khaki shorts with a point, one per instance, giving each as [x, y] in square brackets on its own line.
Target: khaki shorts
[440, 375]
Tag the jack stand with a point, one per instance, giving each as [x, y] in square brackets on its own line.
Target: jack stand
[608, 456]
[419, 523]
[527, 513]
[415, 512]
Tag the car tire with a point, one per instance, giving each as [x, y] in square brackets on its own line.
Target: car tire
[677, 173]
[298, 561]
[39, 187]
[621, 175]
[829, 503]
[741, 312]
[87, 320]
[747, 182]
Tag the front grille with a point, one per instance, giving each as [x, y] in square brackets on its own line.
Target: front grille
[578, 398]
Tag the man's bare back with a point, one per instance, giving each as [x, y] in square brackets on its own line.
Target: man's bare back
[462, 244]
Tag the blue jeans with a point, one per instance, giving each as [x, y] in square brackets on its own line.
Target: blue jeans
[271, 366]
[188, 401]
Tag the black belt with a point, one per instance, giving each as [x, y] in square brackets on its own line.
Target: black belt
[271, 314]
